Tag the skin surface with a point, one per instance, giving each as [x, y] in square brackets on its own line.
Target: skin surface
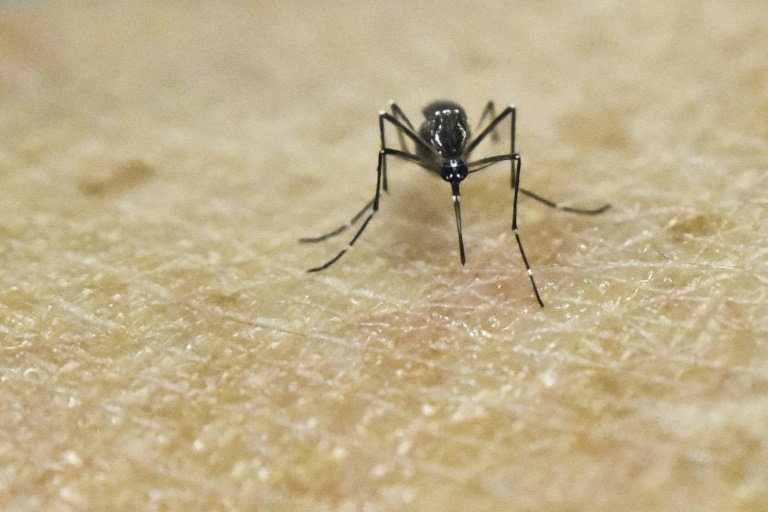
[163, 348]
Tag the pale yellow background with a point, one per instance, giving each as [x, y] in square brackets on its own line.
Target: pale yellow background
[164, 349]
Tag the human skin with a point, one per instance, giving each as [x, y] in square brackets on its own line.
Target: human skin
[163, 345]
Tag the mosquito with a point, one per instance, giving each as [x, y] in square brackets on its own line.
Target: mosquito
[443, 145]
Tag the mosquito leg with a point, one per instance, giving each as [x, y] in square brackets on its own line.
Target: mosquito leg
[373, 206]
[557, 206]
[341, 229]
[519, 165]
[349, 246]
[490, 112]
[479, 165]
[398, 113]
[404, 129]
[543, 200]
[381, 176]
[509, 111]
[383, 164]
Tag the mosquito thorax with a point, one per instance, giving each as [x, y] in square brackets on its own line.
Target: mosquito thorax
[445, 128]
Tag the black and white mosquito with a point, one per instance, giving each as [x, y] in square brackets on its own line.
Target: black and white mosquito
[443, 145]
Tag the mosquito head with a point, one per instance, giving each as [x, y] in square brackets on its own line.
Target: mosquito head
[454, 170]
